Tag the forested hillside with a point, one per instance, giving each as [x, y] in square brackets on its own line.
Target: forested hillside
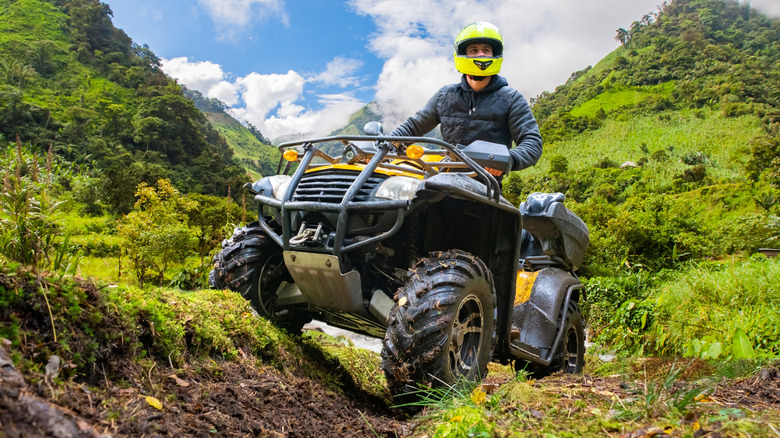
[255, 152]
[74, 83]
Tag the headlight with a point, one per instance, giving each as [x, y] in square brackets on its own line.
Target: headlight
[280, 184]
[398, 188]
[275, 186]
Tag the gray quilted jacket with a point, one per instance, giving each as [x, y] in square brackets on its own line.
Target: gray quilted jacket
[498, 114]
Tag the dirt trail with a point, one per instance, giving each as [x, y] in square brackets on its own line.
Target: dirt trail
[242, 398]
[247, 398]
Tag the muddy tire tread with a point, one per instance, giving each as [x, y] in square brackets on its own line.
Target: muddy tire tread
[415, 337]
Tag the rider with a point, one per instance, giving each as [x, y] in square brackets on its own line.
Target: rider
[482, 106]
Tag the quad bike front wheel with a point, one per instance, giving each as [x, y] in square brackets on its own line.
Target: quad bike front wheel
[251, 263]
[442, 328]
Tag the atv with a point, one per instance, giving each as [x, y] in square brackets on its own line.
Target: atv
[409, 239]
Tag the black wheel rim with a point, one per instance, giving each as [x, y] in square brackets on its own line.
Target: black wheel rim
[466, 337]
[271, 276]
[571, 355]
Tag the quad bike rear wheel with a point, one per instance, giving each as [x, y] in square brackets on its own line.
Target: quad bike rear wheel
[569, 355]
[442, 328]
[251, 263]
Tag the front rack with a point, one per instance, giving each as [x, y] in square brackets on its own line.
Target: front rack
[384, 150]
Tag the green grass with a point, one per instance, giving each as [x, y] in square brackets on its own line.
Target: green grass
[362, 365]
[617, 99]
[105, 269]
[24, 18]
[687, 131]
[713, 300]
[697, 311]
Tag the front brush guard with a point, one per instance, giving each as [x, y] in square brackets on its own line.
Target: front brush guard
[347, 205]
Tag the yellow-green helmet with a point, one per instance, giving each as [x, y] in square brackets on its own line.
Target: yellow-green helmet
[479, 32]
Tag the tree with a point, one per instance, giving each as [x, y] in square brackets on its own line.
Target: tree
[156, 232]
[622, 36]
[211, 219]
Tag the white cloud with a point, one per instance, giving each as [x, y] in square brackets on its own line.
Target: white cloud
[263, 93]
[340, 72]
[769, 7]
[335, 113]
[544, 42]
[270, 102]
[204, 76]
[232, 17]
[404, 86]
[224, 91]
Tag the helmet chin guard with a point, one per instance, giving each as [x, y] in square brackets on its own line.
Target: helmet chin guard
[474, 33]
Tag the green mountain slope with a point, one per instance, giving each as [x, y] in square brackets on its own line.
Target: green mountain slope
[71, 81]
[668, 147]
[358, 120]
[255, 152]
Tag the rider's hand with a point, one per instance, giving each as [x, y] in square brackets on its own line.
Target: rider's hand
[494, 172]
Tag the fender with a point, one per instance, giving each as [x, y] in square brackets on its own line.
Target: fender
[540, 297]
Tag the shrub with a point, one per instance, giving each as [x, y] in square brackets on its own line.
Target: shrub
[559, 164]
[659, 156]
[695, 174]
[605, 163]
[746, 233]
[764, 152]
[693, 158]
[156, 231]
[618, 310]
[88, 193]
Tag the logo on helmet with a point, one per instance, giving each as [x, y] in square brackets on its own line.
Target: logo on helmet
[483, 65]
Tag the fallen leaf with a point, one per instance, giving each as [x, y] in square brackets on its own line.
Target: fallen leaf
[402, 302]
[153, 402]
[489, 388]
[179, 381]
[478, 395]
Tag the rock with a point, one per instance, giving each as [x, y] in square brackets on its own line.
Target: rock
[767, 375]
[628, 164]
[23, 414]
[53, 367]
[9, 375]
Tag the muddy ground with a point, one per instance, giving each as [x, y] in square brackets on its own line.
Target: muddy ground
[247, 398]
[230, 399]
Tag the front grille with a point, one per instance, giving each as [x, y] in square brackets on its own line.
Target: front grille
[331, 186]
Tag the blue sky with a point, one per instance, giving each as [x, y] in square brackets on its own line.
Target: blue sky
[304, 66]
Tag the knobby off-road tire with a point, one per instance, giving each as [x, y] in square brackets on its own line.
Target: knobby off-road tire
[442, 328]
[251, 264]
[570, 353]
